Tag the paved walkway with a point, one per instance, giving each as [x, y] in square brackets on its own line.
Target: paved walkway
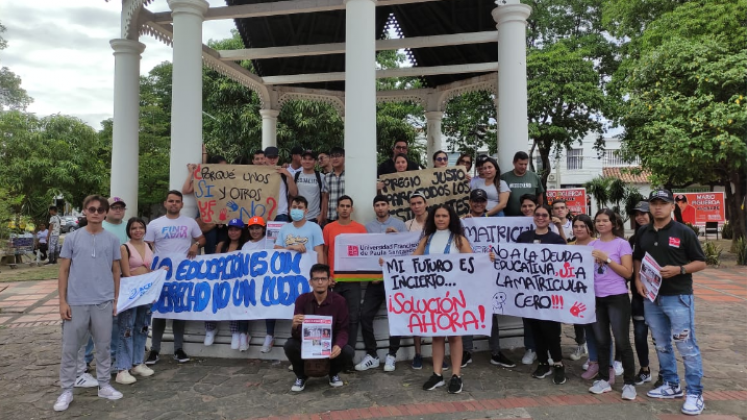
[249, 389]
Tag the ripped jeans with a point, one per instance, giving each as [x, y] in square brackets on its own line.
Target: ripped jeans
[673, 318]
[133, 333]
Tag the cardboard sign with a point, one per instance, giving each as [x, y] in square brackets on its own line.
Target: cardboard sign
[438, 295]
[575, 199]
[483, 232]
[439, 185]
[140, 290]
[357, 254]
[550, 282]
[701, 207]
[226, 192]
[238, 285]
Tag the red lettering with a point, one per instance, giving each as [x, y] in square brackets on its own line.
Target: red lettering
[206, 210]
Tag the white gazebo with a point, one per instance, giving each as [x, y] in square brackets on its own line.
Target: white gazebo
[350, 84]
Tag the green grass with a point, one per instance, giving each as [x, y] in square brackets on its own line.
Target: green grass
[25, 273]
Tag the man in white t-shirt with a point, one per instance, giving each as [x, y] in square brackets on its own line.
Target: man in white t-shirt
[287, 184]
[311, 185]
[172, 234]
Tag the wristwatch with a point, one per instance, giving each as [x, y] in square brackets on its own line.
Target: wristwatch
[609, 261]
[682, 270]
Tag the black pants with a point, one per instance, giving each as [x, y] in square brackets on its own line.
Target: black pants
[546, 338]
[375, 296]
[43, 251]
[351, 291]
[640, 329]
[614, 311]
[579, 330]
[292, 349]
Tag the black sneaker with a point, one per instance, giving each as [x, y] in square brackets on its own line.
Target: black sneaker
[558, 375]
[543, 371]
[152, 358]
[466, 358]
[455, 385]
[180, 356]
[433, 382]
[501, 360]
[659, 382]
[642, 377]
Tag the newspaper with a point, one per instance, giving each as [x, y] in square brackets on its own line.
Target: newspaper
[650, 276]
[316, 337]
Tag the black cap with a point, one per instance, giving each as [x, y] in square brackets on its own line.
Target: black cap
[297, 150]
[662, 194]
[642, 207]
[337, 149]
[307, 153]
[271, 151]
[478, 195]
[680, 197]
[379, 198]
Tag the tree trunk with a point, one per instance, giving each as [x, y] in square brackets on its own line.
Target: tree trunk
[735, 191]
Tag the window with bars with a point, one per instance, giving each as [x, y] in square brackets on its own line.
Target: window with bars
[575, 159]
[612, 158]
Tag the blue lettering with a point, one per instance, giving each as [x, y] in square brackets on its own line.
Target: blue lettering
[221, 295]
[203, 189]
[201, 296]
[182, 271]
[258, 264]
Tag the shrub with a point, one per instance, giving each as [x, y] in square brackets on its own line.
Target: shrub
[727, 232]
[712, 253]
[741, 251]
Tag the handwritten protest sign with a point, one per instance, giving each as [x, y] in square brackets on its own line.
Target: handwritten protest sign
[575, 199]
[550, 282]
[226, 192]
[438, 295]
[483, 232]
[357, 254]
[140, 290]
[233, 286]
[439, 185]
[650, 276]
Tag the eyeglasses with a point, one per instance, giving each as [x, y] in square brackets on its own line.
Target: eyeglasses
[99, 210]
[542, 216]
[442, 159]
[336, 155]
[319, 279]
[117, 208]
[400, 147]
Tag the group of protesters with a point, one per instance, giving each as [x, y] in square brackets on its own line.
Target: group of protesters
[313, 201]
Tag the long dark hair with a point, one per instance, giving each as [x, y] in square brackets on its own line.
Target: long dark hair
[481, 160]
[616, 219]
[135, 220]
[586, 220]
[243, 237]
[455, 225]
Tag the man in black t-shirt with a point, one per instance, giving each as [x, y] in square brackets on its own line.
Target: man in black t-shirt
[387, 166]
[676, 248]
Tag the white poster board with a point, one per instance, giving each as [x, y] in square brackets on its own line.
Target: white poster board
[316, 337]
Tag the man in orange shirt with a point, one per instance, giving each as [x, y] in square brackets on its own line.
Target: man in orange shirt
[351, 291]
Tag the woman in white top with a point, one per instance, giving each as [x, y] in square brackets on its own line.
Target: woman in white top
[443, 234]
[41, 238]
[490, 181]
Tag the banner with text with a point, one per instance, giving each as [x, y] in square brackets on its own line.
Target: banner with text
[699, 208]
[483, 232]
[550, 282]
[439, 185]
[140, 290]
[357, 254]
[233, 286]
[226, 192]
[575, 199]
[438, 295]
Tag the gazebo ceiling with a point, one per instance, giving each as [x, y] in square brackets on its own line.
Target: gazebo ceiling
[410, 20]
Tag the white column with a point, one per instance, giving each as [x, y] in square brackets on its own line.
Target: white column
[433, 137]
[269, 127]
[125, 142]
[186, 98]
[513, 130]
[360, 105]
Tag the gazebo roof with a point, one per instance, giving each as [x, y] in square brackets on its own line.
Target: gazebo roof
[409, 20]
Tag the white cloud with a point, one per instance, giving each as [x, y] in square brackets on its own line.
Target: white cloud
[61, 51]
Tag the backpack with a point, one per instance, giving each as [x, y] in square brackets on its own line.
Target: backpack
[318, 181]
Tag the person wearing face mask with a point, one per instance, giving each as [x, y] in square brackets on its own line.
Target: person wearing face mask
[300, 235]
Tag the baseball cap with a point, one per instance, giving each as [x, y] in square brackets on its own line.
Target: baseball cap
[418, 194]
[307, 153]
[680, 197]
[478, 195]
[256, 220]
[116, 200]
[642, 207]
[236, 223]
[271, 151]
[297, 150]
[661, 194]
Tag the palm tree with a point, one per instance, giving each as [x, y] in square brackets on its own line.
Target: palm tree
[598, 189]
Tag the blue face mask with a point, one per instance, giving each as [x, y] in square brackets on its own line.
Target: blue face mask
[296, 215]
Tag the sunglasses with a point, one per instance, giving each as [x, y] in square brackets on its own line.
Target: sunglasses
[442, 159]
[99, 210]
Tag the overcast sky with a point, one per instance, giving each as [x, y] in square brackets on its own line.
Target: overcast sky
[61, 51]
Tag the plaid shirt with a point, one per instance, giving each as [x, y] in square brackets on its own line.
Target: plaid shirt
[336, 185]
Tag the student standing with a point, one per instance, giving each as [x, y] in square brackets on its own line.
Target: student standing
[53, 237]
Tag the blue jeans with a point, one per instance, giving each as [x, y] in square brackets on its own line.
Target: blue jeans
[133, 333]
[673, 317]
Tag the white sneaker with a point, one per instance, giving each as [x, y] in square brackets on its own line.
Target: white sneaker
[63, 401]
[142, 370]
[368, 362]
[529, 357]
[243, 342]
[629, 392]
[235, 341]
[267, 345]
[585, 366]
[109, 393]
[124, 378]
[389, 363]
[579, 352]
[86, 381]
[600, 387]
[209, 337]
[618, 366]
[693, 405]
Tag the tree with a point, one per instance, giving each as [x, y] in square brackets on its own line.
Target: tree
[12, 95]
[470, 123]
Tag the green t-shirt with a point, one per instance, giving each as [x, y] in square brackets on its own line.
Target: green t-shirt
[119, 230]
[529, 183]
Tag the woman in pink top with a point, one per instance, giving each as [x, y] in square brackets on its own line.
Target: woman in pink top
[133, 323]
[613, 263]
